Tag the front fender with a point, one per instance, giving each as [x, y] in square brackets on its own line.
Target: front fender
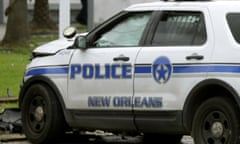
[43, 80]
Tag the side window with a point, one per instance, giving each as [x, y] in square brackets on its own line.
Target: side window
[180, 28]
[127, 32]
[234, 24]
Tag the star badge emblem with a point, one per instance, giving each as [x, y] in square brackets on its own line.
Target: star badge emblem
[162, 70]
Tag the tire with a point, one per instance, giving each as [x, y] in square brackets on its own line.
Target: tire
[42, 116]
[216, 122]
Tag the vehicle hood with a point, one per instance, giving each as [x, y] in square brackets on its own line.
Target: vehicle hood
[53, 46]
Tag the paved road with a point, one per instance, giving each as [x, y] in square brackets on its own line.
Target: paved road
[87, 139]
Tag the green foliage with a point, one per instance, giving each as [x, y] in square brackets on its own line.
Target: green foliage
[26, 47]
[12, 69]
[13, 62]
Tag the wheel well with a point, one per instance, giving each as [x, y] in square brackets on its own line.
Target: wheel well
[202, 92]
[46, 81]
[40, 80]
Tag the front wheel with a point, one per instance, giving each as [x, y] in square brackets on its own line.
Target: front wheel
[42, 117]
[216, 122]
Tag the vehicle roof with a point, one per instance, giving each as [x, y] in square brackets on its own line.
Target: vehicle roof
[209, 4]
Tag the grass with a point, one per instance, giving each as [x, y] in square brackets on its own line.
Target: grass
[12, 69]
[13, 62]
[14, 59]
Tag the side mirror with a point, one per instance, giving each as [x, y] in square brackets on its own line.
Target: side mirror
[80, 42]
[69, 32]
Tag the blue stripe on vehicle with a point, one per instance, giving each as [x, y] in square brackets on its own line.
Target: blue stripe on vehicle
[191, 69]
[42, 71]
[201, 69]
[146, 69]
[142, 69]
[231, 69]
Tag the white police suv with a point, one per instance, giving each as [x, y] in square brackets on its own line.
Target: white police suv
[162, 68]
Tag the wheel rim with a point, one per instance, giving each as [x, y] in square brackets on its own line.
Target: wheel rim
[216, 128]
[37, 114]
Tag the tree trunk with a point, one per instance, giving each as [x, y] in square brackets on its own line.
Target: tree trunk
[41, 16]
[17, 29]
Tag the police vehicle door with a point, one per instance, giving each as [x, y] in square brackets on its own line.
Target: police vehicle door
[101, 76]
[176, 59]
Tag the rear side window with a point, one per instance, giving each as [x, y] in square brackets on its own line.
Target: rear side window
[180, 28]
[233, 20]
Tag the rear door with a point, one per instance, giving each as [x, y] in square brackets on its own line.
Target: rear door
[176, 59]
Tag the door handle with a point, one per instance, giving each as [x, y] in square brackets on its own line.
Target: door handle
[195, 56]
[121, 58]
